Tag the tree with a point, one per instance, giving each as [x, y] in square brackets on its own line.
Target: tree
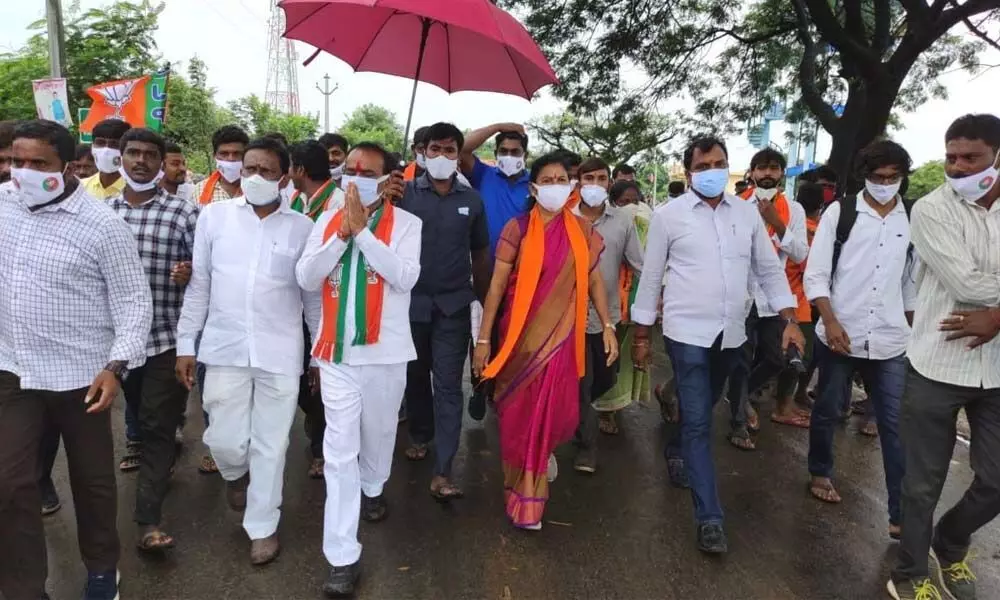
[373, 123]
[737, 58]
[259, 118]
[616, 137]
[193, 116]
[925, 179]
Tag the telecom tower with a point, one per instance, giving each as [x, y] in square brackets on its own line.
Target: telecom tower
[282, 92]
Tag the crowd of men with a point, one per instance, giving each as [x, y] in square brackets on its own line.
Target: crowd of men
[323, 275]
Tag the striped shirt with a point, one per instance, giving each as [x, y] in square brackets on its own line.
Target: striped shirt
[959, 248]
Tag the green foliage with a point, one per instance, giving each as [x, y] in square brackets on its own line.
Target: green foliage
[616, 137]
[373, 123]
[193, 116]
[259, 118]
[16, 74]
[925, 179]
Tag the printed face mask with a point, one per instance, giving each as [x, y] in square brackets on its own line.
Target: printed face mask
[37, 187]
[973, 187]
[108, 160]
[367, 187]
[510, 165]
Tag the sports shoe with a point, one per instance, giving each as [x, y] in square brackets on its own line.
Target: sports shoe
[102, 586]
[374, 509]
[957, 580]
[586, 461]
[341, 581]
[920, 589]
[712, 538]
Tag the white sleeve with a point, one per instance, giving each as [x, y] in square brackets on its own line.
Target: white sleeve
[196, 296]
[818, 276]
[654, 264]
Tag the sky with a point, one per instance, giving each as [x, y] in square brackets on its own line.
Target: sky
[231, 37]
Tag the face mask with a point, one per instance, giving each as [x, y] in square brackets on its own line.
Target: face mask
[108, 160]
[367, 187]
[337, 172]
[37, 187]
[259, 191]
[510, 165]
[765, 193]
[441, 167]
[710, 183]
[829, 193]
[230, 169]
[883, 194]
[135, 186]
[422, 161]
[553, 197]
[973, 187]
[593, 195]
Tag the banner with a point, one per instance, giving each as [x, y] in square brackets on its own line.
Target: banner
[81, 116]
[50, 101]
[140, 102]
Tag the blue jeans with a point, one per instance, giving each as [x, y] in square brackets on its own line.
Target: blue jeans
[699, 374]
[885, 380]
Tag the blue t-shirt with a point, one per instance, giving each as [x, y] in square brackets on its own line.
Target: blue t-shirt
[503, 200]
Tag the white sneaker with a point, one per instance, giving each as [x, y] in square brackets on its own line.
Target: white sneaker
[553, 470]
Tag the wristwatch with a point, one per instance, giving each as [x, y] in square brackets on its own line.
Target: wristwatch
[118, 368]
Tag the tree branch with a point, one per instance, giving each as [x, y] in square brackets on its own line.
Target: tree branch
[974, 29]
[952, 17]
[830, 29]
[807, 72]
[853, 19]
[883, 21]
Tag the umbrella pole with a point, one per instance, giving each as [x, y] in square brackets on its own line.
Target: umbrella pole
[426, 28]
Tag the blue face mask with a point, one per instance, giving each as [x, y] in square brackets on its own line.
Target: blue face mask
[710, 183]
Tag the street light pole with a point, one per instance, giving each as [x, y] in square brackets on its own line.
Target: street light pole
[53, 18]
[327, 92]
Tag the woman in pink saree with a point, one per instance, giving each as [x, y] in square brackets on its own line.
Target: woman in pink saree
[545, 276]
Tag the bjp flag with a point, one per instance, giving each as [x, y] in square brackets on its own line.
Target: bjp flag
[140, 102]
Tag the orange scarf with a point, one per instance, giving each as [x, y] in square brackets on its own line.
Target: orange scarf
[410, 172]
[796, 273]
[780, 203]
[208, 192]
[369, 292]
[529, 270]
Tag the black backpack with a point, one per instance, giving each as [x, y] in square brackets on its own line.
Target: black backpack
[848, 215]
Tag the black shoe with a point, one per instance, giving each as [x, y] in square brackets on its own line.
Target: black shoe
[374, 509]
[586, 461]
[50, 500]
[712, 538]
[341, 581]
[477, 404]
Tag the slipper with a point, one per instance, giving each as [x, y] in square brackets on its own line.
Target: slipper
[208, 466]
[416, 452]
[869, 429]
[446, 492]
[818, 489]
[607, 424]
[155, 541]
[753, 419]
[796, 420]
[741, 439]
[130, 462]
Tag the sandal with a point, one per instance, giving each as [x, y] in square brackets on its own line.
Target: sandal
[753, 419]
[416, 452]
[316, 468]
[132, 459]
[869, 429]
[895, 532]
[445, 491]
[742, 440]
[794, 420]
[208, 466]
[607, 424]
[824, 492]
[155, 541]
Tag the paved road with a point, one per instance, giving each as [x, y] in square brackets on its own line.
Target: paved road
[623, 533]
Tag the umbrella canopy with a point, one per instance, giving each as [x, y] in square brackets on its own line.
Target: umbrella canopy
[456, 45]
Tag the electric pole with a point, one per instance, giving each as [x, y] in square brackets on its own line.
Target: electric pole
[54, 20]
[327, 92]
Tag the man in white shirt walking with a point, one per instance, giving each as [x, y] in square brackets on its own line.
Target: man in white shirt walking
[244, 300]
[956, 233]
[864, 291]
[365, 258]
[708, 243]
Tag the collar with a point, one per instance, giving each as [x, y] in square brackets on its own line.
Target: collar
[863, 206]
[693, 199]
[282, 205]
[119, 200]
[423, 182]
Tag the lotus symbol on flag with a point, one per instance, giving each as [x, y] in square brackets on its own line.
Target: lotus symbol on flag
[117, 95]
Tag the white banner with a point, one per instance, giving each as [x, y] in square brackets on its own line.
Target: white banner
[51, 102]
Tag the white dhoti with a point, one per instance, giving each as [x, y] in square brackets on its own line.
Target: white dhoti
[361, 404]
[250, 416]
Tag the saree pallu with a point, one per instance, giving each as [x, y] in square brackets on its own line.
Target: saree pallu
[537, 390]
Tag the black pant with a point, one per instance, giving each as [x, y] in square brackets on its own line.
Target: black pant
[312, 405]
[161, 402]
[47, 458]
[928, 428]
[761, 359]
[435, 412]
[598, 379]
[90, 455]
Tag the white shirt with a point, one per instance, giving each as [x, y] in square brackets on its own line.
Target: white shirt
[398, 264]
[73, 292]
[959, 248]
[793, 245]
[708, 256]
[873, 287]
[243, 297]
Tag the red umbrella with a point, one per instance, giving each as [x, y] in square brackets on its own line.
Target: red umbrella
[453, 44]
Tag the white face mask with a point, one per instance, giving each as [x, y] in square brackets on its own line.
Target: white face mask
[367, 187]
[510, 165]
[135, 186]
[765, 194]
[973, 187]
[259, 191]
[553, 197]
[421, 161]
[37, 187]
[337, 172]
[230, 169]
[883, 194]
[108, 160]
[441, 167]
[593, 195]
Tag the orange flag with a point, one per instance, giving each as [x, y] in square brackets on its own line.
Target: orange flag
[140, 102]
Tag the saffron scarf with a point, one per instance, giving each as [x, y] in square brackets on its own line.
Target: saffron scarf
[780, 203]
[529, 270]
[208, 192]
[369, 292]
[317, 204]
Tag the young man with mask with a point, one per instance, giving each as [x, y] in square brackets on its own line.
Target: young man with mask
[454, 272]
[336, 147]
[228, 145]
[712, 242]
[77, 313]
[244, 301]
[864, 291]
[763, 356]
[419, 164]
[824, 176]
[174, 180]
[107, 182]
[164, 227]
[955, 232]
[362, 349]
[621, 247]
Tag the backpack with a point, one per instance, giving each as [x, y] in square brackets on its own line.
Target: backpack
[848, 215]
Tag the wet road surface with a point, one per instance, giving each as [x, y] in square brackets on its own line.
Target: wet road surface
[622, 533]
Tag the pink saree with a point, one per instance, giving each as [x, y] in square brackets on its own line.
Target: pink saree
[537, 390]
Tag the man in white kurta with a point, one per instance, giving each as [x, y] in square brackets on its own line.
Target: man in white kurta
[244, 300]
[362, 348]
